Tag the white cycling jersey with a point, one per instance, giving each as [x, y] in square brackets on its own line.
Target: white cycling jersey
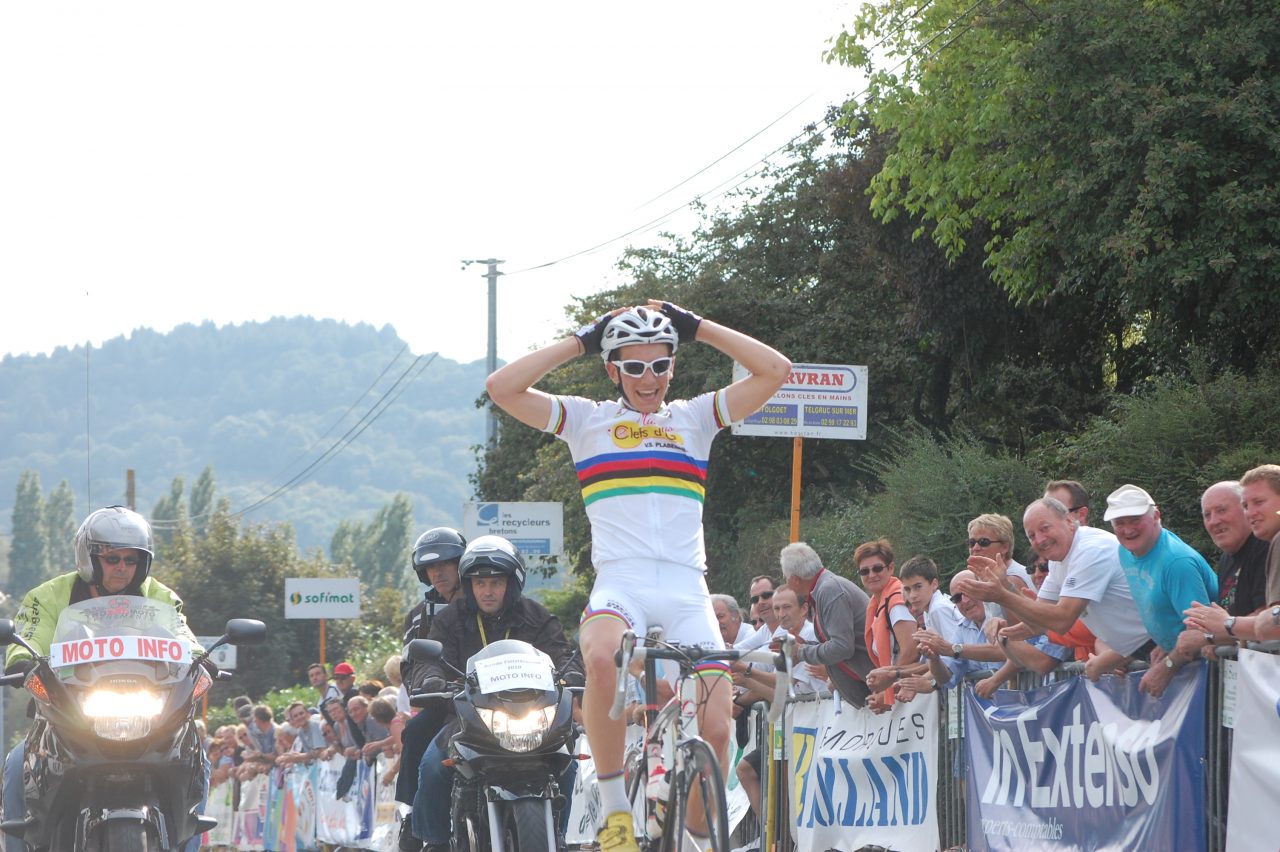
[643, 479]
[642, 476]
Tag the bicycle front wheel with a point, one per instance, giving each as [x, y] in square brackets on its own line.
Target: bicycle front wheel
[699, 793]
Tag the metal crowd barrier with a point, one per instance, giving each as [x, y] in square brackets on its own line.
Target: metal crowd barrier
[775, 835]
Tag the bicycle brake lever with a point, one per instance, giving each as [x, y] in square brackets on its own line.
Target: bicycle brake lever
[622, 659]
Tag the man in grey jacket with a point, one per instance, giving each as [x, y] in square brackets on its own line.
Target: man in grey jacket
[839, 612]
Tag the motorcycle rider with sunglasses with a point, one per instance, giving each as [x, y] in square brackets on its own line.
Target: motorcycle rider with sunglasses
[113, 552]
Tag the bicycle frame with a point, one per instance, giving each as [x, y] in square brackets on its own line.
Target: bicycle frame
[671, 728]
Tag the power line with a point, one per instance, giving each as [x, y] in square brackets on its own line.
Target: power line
[342, 443]
[335, 423]
[375, 411]
[811, 131]
[728, 153]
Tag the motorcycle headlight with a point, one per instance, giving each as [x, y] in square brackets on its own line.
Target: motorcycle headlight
[121, 715]
[518, 733]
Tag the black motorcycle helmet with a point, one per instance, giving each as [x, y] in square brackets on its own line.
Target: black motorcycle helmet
[492, 556]
[439, 544]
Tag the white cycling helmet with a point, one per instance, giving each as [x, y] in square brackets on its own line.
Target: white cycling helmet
[637, 325]
[112, 528]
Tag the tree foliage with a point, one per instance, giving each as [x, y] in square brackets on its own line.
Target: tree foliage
[28, 554]
[378, 550]
[238, 570]
[60, 525]
[1123, 155]
[1175, 439]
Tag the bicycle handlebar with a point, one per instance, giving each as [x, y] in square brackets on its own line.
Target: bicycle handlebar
[628, 652]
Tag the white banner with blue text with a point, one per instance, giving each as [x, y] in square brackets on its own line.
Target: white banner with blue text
[859, 778]
[1083, 765]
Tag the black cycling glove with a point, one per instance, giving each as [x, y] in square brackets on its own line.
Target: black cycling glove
[591, 334]
[684, 322]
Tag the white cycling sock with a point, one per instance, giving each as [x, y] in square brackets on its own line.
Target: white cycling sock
[613, 795]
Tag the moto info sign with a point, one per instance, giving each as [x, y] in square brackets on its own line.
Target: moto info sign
[817, 401]
[105, 648]
[310, 597]
[536, 529]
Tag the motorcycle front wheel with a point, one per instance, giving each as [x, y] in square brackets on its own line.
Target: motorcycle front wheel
[524, 826]
[121, 835]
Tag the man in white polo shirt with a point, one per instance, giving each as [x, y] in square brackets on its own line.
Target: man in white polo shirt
[1086, 581]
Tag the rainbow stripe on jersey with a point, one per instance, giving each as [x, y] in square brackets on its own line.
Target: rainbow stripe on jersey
[643, 472]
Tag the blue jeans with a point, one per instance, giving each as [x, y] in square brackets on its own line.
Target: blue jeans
[15, 806]
[431, 803]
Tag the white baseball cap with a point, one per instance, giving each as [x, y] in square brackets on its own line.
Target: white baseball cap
[1128, 501]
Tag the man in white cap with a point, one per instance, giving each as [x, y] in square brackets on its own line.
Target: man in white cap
[1085, 582]
[1165, 576]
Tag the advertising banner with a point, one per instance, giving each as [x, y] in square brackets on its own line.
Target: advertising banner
[331, 597]
[816, 401]
[535, 528]
[220, 805]
[864, 779]
[1083, 765]
[1255, 755]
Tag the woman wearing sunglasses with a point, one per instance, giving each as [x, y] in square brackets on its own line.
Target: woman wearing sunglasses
[992, 536]
[890, 626]
[642, 465]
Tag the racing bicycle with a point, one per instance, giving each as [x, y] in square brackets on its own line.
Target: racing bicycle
[671, 763]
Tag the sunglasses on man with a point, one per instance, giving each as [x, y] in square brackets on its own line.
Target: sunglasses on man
[635, 368]
[115, 560]
[763, 596]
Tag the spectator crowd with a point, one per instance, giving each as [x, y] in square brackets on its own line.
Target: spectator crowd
[1100, 597]
[1104, 598]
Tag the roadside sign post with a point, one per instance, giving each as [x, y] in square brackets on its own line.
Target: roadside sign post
[321, 598]
[536, 529]
[816, 401]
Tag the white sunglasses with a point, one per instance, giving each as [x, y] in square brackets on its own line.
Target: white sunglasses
[635, 369]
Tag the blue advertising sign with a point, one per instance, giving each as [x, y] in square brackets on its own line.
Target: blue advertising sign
[1083, 765]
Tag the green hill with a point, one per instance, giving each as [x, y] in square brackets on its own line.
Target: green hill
[315, 421]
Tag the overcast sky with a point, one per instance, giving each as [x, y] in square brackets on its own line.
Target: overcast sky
[169, 162]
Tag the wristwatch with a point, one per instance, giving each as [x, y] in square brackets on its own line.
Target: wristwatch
[1229, 624]
[957, 650]
[1168, 662]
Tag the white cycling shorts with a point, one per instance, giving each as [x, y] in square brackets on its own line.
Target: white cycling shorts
[653, 593]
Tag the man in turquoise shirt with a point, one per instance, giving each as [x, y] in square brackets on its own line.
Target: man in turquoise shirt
[1165, 576]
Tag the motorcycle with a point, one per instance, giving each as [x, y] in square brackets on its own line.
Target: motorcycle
[515, 740]
[113, 759]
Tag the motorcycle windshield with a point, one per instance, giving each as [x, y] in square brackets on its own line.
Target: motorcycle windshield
[510, 664]
[128, 634]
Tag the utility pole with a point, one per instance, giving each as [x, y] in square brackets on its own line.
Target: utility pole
[492, 273]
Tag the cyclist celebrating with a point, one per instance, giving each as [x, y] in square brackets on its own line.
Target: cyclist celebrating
[642, 465]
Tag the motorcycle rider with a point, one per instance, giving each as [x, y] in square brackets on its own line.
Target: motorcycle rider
[435, 561]
[492, 607]
[113, 551]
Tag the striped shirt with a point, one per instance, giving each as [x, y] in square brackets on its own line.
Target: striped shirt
[643, 476]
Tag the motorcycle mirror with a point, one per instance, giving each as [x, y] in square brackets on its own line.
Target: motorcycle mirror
[6, 631]
[421, 650]
[245, 631]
